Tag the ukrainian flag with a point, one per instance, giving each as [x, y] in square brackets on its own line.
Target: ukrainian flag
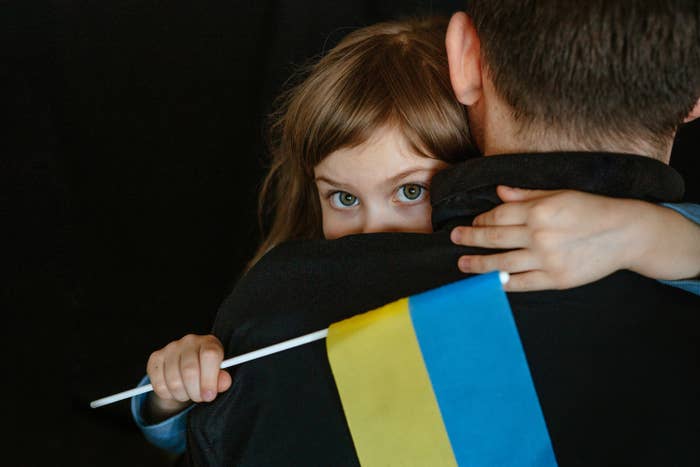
[439, 379]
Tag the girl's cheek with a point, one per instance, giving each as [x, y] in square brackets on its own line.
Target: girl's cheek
[418, 219]
[336, 225]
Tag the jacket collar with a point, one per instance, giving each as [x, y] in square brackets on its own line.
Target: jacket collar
[464, 191]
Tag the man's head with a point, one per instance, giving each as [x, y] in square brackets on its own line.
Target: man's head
[617, 75]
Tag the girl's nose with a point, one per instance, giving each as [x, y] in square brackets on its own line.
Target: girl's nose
[381, 221]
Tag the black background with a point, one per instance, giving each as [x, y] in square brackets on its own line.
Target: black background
[131, 162]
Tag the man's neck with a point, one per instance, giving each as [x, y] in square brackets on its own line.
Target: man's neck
[499, 133]
[503, 142]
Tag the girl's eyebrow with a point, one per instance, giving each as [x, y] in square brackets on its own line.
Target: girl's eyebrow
[406, 173]
[330, 181]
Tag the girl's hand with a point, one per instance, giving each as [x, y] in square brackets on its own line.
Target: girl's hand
[563, 239]
[184, 371]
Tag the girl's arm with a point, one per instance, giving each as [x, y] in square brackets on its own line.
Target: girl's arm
[563, 239]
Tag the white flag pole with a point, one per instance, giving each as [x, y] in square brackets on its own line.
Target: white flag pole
[246, 357]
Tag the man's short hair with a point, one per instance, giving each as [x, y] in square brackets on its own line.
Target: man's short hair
[594, 68]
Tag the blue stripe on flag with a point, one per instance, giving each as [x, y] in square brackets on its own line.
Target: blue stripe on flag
[477, 367]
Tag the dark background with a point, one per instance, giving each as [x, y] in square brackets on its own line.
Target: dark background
[131, 163]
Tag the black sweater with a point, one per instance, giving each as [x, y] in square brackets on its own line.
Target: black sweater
[614, 363]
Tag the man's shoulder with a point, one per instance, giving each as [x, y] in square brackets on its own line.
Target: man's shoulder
[623, 350]
[302, 286]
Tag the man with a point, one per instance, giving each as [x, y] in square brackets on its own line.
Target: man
[561, 96]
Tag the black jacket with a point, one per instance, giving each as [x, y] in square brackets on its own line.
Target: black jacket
[614, 363]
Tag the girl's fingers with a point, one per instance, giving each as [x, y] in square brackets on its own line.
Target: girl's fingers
[509, 194]
[154, 368]
[492, 237]
[504, 214]
[189, 372]
[210, 357]
[529, 281]
[512, 261]
[187, 369]
[224, 381]
[174, 380]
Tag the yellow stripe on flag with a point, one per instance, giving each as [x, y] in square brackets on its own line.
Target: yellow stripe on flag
[373, 354]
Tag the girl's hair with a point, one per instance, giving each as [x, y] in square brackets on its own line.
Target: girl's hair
[388, 74]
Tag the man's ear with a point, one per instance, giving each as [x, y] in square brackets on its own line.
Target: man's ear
[695, 113]
[464, 58]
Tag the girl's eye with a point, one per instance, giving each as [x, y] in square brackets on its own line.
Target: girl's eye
[343, 199]
[411, 193]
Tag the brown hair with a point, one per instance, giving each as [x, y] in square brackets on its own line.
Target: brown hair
[392, 73]
[594, 71]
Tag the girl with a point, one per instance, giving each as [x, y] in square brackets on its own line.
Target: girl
[381, 95]
[355, 146]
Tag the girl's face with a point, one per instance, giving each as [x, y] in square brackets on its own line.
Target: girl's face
[378, 186]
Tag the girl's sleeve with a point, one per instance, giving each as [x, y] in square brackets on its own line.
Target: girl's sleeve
[170, 434]
[692, 212]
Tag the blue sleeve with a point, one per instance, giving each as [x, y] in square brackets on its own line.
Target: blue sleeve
[692, 212]
[168, 434]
